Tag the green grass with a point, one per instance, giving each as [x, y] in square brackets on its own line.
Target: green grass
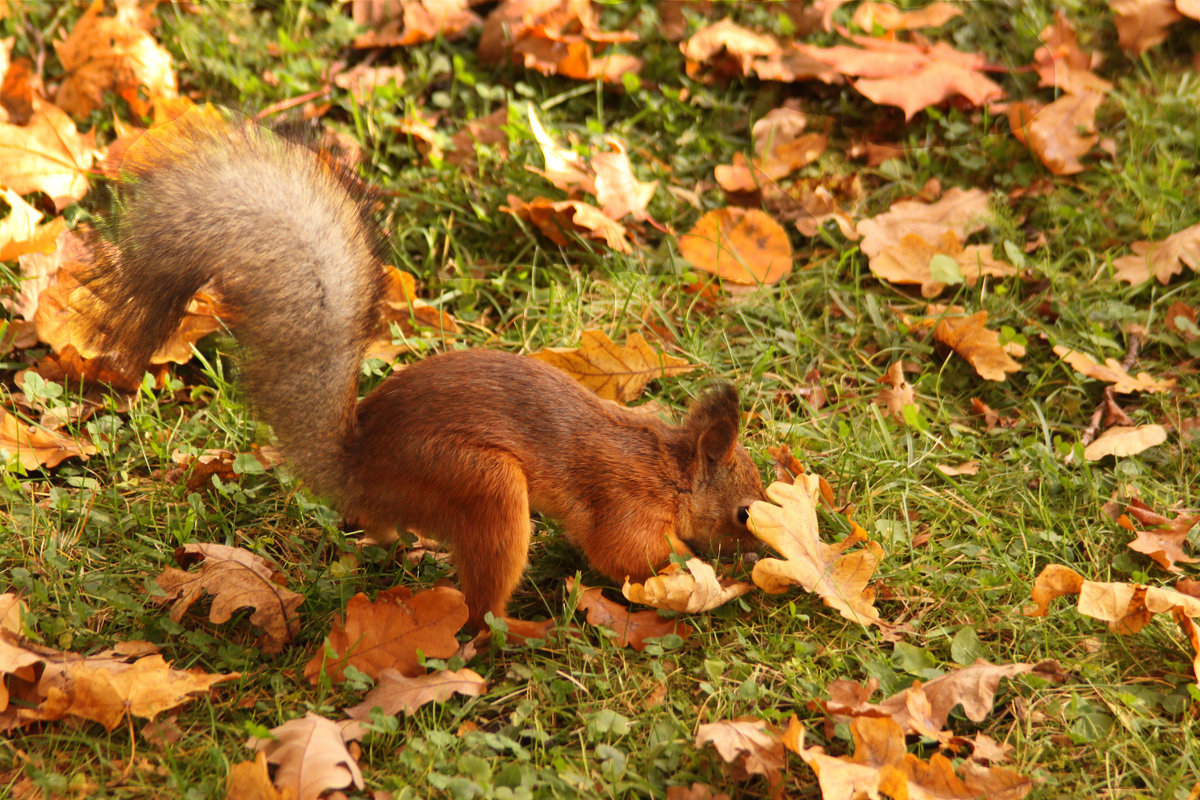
[582, 717]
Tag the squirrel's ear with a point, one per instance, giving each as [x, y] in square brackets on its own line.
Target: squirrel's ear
[713, 419]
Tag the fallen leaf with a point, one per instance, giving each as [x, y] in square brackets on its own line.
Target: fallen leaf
[1112, 372]
[1060, 62]
[750, 744]
[697, 791]
[397, 692]
[1123, 440]
[565, 168]
[739, 245]
[113, 54]
[251, 780]
[691, 592]
[20, 231]
[485, 131]
[392, 631]
[558, 218]
[48, 155]
[418, 21]
[911, 261]
[311, 756]
[1060, 133]
[897, 392]
[1181, 320]
[1164, 541]
[618, 191]
[236, 579]
[614, 372]
[839, 577]
[889, 17]
[965, 468]
[34, 446]
[1141, 24]
[632, 628]
[11, 608]
[729, 48]
[961, 211]
[980, 346]
[1161, 260]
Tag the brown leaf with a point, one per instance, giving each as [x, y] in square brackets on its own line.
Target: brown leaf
[691, 592]
[968, 337]
[34, 446]
[613, 372]
[557, 219]
[311, 756]
[20, 233]
[417, 21]
[910, 262]
[236, 579]
[891, 18]
[397, 692]
[617, 190]
[1112, 372]
[632, 628]
[1060, 133]
[732, 49]
[1123, 440]
[1060, 62]
[47, 155]
[739, 245]
[1164, 542]
[116, 54]
[750, 744]
[391, 632]
[1161, 260]
[11, 608]
[961, 211]
[251, 780]
[1141, 24]
[1052, 582]
[897, 392]
[554, 37]
[697, 791]
[839, 577]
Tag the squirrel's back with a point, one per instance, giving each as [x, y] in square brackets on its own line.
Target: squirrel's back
[289, 252]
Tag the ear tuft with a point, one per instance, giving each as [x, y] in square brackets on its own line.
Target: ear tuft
[713, 419]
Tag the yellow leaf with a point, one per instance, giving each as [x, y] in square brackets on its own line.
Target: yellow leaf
[1124, 440]
[1112, 372]
[691, 592]
[968, 337]
[611, 371]
[739, 245]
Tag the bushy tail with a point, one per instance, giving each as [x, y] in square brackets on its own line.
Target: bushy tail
[210, 199]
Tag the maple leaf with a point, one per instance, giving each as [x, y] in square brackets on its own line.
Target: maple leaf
[880, 766]
[557, 218]
[311, 755]
[1164, 542]
[750, 744]
[397, 692]
[34, 446]
[401, 307]
[251, 780]
[1141, 24]
[1161, 260]
[1125, 440]
[614, 372]
[739, 48]
[418, 21]
[393, 631]
[980, 346]
[739, 245]
[236, 579]
[1060, 133]
[839, 577]
[691, 592]
[1112, 372]
[47, 155]
[104, 54]
[20, 232]
[1060, 62]
[960, 211]
[632, 628]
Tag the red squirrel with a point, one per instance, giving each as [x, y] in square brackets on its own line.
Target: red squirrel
[460, 446]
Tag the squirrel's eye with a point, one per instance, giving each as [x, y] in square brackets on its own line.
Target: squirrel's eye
[743, 515]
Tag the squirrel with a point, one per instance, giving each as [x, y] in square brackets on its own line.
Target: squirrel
[460, 446]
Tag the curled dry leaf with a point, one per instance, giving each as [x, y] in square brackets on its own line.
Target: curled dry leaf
[739, 245]
[1060, 62]
[614, 372]
[1061, 133]
[34, 446]
[891, 18]
[236, 579]
[960, 211]
[911, 260]
[20, 231]
[1112, 372]
[117, 54]
[897, 391]
[1141, 24]
[632, 628]
[1164, 541]
[418, 21]
[558, 218]
[839, 577]
[392, 631]
[691, 592]
[980, 346]
[251, 780]
[1161, 260]
[47, 155]
[1125, 440]
[750, 744]
[311, 756]
[397, 692]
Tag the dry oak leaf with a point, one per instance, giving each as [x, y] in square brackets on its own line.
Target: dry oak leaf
[1164, 542]
[236, 579]
[34, 446]
[397, 692]
[392, 631]
[1126, 607]
[962, 211]
[1060, 62]
[1141, 24]
[417, 21]
[1161, 260]
[557, 219]
[839, 577]
[108, 691]
[1112, 372]
[750, 744]
[48, 155]
[881, 767]
[632, 628]
[911, 260]
[691, 592]
[104, 54]
[311, 756]
[614, 372]
[739, 245]
[251, 780]
[889, 17]
[1125, 440]
[1060, 133]
[20, 233]
[968, 337]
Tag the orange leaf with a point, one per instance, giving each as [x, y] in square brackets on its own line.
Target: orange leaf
[739, 245]
[1161, 260]
[750, 743]
[1125, 440]
[397, 692]
[1141, 24]
[960, 211]
[251, 780]
[1060, 62]
[891, 18]
[691, 592]
[968, 337]
[1063, 131]
[47, 155]
[35, 446]
[1112, 372]
[312, 756]
[614, 372]
[632, 628]
[558, 218]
